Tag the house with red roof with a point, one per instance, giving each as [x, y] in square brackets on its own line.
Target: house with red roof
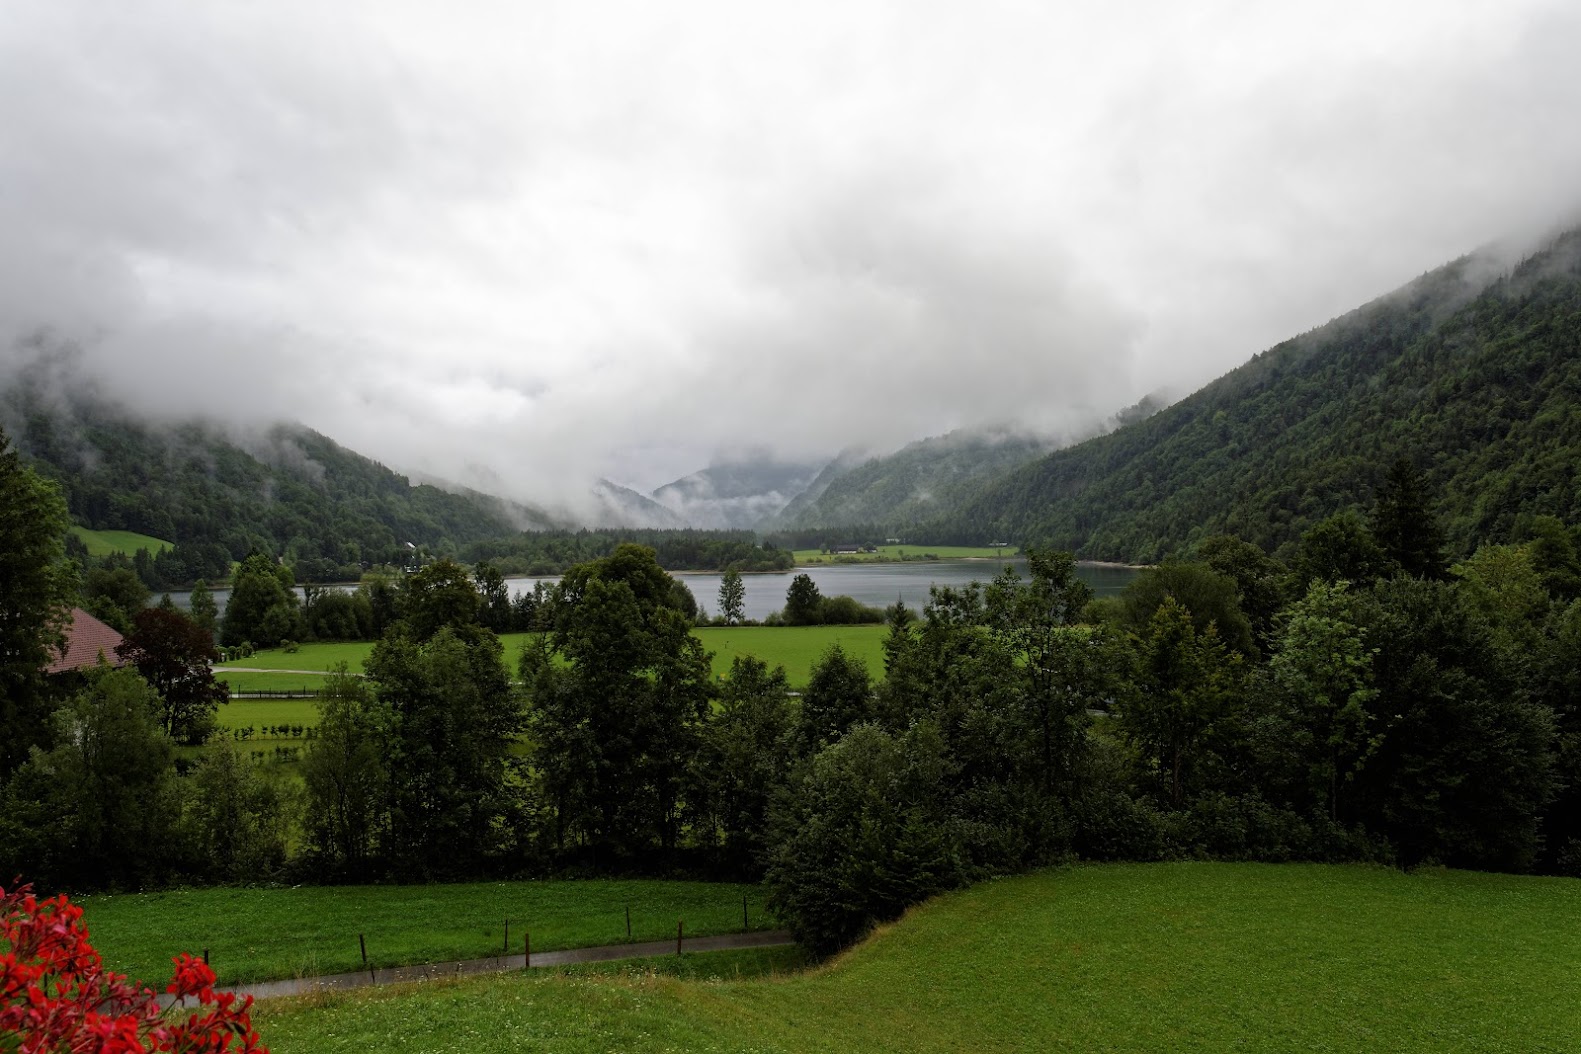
[87, 639]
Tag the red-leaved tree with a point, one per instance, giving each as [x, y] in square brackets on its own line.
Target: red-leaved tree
[56, 996]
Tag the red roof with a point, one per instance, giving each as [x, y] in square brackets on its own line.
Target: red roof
[86, 639]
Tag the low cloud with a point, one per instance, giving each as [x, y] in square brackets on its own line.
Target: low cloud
[529, 250]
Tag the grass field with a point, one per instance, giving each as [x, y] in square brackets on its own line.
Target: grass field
[796, 648]
[261, 713]
[261, 934]
[1125, 958]
[103, 543]
[894, 553]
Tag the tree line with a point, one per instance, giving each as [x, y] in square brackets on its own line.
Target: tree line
[1363, 701]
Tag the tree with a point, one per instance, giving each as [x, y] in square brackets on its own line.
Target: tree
[101, 807]
[1259, 578]
[801, 602]
[114, 596]
[742, 761]
[732, 597]
[176, 656]
[864, 834]
[1054, 660]
[345, 771]
[203, 609]
[839, 694]
[36, 587]
[441, 594]
[1463, 765]
[1209, 598]
[1322, 671]
[262, 609]
[453, 717]
[616, 693]
[495, 596]
[1341, 549]
[1405, 524]
[1186, 683]
[236, 818]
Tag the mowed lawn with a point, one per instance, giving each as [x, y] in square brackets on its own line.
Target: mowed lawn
[1125, 958]
[797, 648]
[264, 934]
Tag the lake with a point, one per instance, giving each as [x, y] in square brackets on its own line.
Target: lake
[876, 585]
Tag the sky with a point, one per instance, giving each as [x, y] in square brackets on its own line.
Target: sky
[524, 246]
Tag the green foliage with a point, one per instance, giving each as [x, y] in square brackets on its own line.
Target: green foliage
[36, 587]
[732, 597]
[175, 655]
[615, 695]
[237, 819]
[453, 719]
[262, 609]
[742, 758]
[1405, 525]
[1187, 687]
[865, 834]
[801, 602]
[100, 807]
[1341, 548]
[345, 775]
[1209, 599]
[439, 595]
[838, 695]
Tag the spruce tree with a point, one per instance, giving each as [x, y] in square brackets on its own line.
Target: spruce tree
[1405, 524]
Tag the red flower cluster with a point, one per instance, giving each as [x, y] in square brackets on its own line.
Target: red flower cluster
[56, 996]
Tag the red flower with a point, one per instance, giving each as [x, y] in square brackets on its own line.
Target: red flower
[55, 994]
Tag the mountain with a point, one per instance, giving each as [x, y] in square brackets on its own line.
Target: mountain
[914, 484]
[926, 479]
[219, 493]
[739, 494]
[1473, 372]
[617, 506]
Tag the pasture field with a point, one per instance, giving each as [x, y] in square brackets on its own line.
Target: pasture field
[266, 934]
[263, 713]
[796, 648]
[1135, 958]
[899, 553]
[103, 543]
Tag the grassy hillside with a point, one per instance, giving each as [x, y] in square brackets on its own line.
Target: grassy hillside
[267, 934]
[103, 543]
[1477, 381]
[1125, 958]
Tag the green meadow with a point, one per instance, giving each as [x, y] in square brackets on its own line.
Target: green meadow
[267, 934]
[103, 543]
[797, 648]
[898, 553]
[1125, 958]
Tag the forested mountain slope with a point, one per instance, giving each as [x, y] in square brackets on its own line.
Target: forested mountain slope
[1473, 375]
[217, 495]
[915, 483]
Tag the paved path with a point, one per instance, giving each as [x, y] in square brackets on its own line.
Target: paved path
[501, 963]
[271, 669]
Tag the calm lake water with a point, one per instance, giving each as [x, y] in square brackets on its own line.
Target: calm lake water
[877, 585]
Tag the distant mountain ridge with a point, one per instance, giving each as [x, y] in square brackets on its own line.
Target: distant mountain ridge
[737, 494]
[219, 494]
[1472, 371]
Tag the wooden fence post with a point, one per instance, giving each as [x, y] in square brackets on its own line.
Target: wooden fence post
[628, 922]
[680, 927]
[527, 950]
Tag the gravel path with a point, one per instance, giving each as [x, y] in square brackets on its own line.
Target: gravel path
[501, 963]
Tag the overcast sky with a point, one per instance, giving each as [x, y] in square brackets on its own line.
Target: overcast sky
[529, 244]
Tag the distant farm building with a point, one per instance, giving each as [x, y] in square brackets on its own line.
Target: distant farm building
[87, 641]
